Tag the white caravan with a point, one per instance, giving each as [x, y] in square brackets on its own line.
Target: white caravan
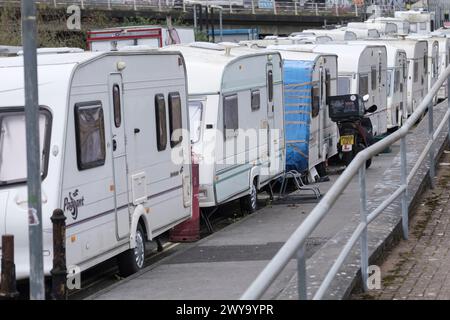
[402, 25]
[335, 34]
[419, 21]
[309, 78]
[111, 39]
[109, 158]
[236, 120]
[384, 28]
[397, 80]
[362, 70]
[444, 60]
[417, 55]
[433, 59]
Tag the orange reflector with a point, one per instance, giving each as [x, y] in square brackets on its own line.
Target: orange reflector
[73, 238]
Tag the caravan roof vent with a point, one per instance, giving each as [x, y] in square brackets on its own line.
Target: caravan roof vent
[228, 46]
[54, 50]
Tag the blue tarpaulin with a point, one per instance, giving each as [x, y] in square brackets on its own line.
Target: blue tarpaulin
[297, 107]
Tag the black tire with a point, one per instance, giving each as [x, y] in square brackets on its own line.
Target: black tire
[347, 157]
[132, 260]
[322, 169]
[249, 203]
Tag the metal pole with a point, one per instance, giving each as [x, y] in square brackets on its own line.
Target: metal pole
[231, 7]
[337, 10]
[295, 7]
[317, 9]
[195, 18]
[301, 273]
[431, 152]
[134, 5]
[59, 271]
[403, 181]
[37, 289]
[356, 10]
[221, 25]
[363, 215]
[274, 7]
[184, 6]
[253, 6]
[212, 25]
[8, 288]
[82, 4]
[109, 4]
[448, 101]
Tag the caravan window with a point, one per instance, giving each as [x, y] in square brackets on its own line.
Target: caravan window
[363, 84]
[416, 71]
[255, 100]
[230, 115]
[116, 105]
[13, 153]
[270, 84]
[327, 83]
[195, 120]
[161, 122]
[397, 80]
[374, 78]
[425, 64]
[343, 85]
[175, 123]
[90, 135]
[315, 101]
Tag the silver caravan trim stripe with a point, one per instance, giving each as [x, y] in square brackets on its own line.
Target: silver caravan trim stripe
[122, 207]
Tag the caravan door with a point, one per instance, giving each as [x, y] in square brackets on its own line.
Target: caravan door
[119, 158]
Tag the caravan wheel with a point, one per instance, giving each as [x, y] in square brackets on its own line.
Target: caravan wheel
[132, 260]
[249, 203]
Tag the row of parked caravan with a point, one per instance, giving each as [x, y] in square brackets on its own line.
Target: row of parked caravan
[119, 130]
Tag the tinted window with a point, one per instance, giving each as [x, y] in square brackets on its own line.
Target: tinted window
[116, 106]
[363, 84]
[270, 84]
[255, 102]
[90, 135]
[175, 121]
[230, 115]
[416, 71]
[161, 124]
[328, 83]
[374, 78]
[315, 101]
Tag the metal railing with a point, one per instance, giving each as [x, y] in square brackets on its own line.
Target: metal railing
[251, 7]
[295, 245]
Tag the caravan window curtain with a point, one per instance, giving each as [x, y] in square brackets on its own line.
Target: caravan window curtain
[90, 135]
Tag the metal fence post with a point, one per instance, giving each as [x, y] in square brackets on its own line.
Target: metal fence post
[301, 273]
[356, 10]
[253, 6]
[337, 10]
[109, 4]
[295, 7]
[35, 239]
[317, 9]
[184, 6]
[231, 7]
[431, 152]
[363, 216]
[82, 4]
[54, 3]
[448, 101]
[59, 271]
[403, 181]
[134, 5]
[159, 5]
[274, 7]
[8, 288]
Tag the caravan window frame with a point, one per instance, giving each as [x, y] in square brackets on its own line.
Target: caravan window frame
[363, 76]
[234, 109]
[315, 100]
[270, 85]
[100, 161]
[255, 99]
[45, 110]
[172, 114]
[373, 78]
[416, 71]
[161, 122]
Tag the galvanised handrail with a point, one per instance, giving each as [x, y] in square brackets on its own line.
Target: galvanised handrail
[295, 245]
